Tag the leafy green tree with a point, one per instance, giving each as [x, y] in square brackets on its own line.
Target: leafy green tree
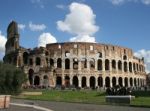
[11, 79]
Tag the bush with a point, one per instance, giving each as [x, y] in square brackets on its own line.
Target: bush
[11, 79]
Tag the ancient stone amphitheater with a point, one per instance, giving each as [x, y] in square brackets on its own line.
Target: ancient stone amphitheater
[79, 64]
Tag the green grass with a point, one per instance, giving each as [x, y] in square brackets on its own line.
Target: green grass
[83, 96]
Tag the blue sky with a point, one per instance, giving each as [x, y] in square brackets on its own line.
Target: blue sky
[119, 22]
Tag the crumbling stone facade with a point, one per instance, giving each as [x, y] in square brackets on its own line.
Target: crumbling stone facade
[75, 63]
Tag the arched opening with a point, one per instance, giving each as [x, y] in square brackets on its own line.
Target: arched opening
[67, 64]
[137, 67]
[100, 81]
[75, 81]
[84, 63]
[45, 81]
[120, 81]
[107, 81]
[114, 81]
[58, 81]
[113, 64]
[130, 66]
[125, 66]
[67, 81]
[135, 84]
[51, 62]
[83, 82]
[124, 57]
[92, 82]
[30, 61]
[46, 53]
[59, 63]
[106, 64]
[126, 82]
[131, 82]
[25, 58]
[138, 82]
[119, 65]
[92, 63]
[99, 64]
[30, 76]
[75, 63]
[36, 80]
[38, 61]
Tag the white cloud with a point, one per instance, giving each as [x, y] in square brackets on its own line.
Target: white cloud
[80, 22]
[117, 2]
[146, 54]
[2, 44]
[21, 26]
[61, 6]
[36, 27]
[146, 2]
[46, 38]
[39, 3]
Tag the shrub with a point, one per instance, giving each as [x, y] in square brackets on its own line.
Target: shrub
[11, 79]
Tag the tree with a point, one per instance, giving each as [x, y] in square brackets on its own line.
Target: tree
[11, 79]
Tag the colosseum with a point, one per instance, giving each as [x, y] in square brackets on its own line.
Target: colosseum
[78, 64]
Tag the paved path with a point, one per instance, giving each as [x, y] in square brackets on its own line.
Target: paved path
[62, 106]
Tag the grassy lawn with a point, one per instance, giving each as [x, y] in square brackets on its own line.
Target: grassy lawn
[93, 97]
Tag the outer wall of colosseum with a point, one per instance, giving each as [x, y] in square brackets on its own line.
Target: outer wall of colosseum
[79, 64]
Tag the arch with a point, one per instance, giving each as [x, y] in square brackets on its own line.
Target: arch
[113, 64]
[67, 64]
[36, 80]
[114, 81]
[59, 63]
[75, 81]
[58, 80]
[75, 63]
[120, 81]
[83, 82]
[51, 62]
[45, 80]
[67, 81]
[135, 82]
[119, 65]
[92, 82]
[30, 76]
[124, 57]
[25, 58]
[84, 63]
[107, 81]
[131, 82]
[130, 66]
[126, 82]
[137, 67]
[134, 67]
[46, 53]
[100, 81]
[31, 61]
[99, 64]
[125, 67]
[106, 64]
[92, 63]
[38, 61]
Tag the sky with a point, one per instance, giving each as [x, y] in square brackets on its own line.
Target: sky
[119, 22]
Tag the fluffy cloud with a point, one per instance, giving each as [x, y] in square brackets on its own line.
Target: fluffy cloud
[146, 54]
[80, 22]
[36, 27]
[21, 26]
[2, 44]
[46, 38]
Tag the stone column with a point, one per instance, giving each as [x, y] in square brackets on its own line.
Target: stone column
[96, 64]
[87, 82]
[110, 81]
[79, 80]
[96, 82]
[55, 63]
[79, 65]
[128, 82]
[123, 84]
[71, 79]
[71, 63]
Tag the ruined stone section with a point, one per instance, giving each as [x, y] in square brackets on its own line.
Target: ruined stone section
[77, 64]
